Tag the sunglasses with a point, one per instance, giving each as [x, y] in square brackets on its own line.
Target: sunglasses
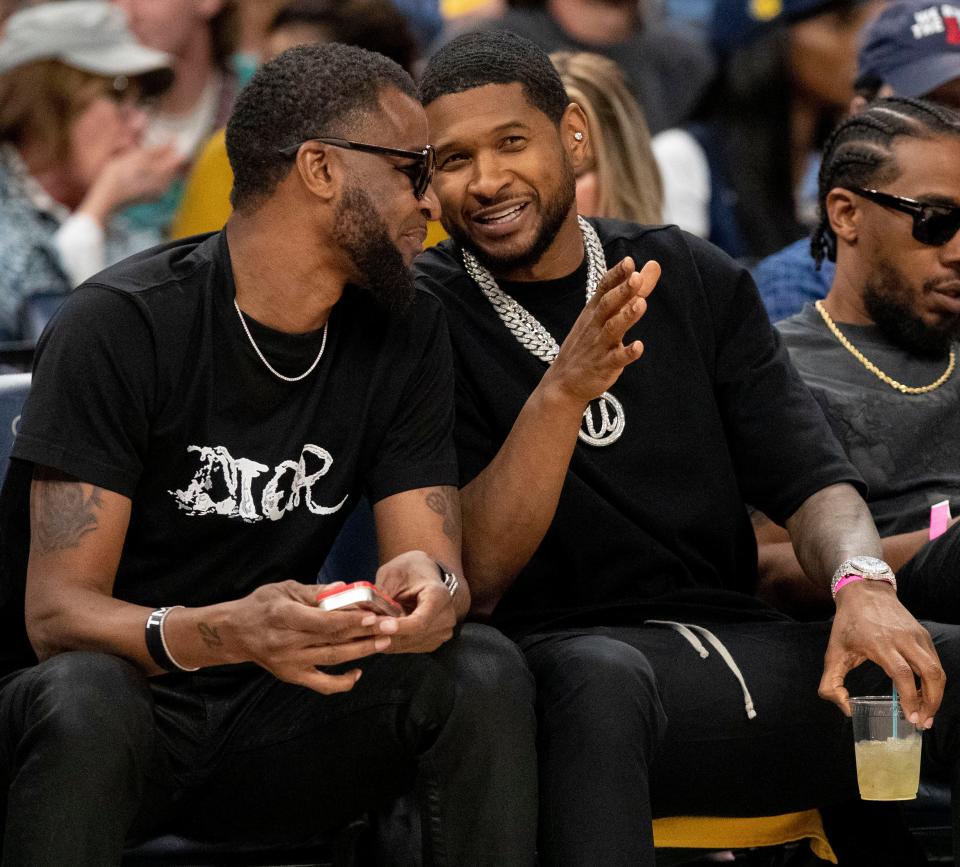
[420, 171]
[932, 224]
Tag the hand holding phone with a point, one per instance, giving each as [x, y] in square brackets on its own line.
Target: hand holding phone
[359, 594]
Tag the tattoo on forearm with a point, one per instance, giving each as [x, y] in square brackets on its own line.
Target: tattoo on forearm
[62, 513]
[210, 635]
[446, 503]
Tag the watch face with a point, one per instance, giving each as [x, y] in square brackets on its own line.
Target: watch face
[872, 565]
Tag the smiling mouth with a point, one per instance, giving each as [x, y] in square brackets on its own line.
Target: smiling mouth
[501, 216]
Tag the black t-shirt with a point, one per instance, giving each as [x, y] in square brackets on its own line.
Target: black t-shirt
[716, 416]
[145, 384]
[906, 446]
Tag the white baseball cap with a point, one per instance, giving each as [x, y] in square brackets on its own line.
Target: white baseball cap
[90, 35]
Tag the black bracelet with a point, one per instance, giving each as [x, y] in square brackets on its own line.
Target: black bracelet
[157, 643]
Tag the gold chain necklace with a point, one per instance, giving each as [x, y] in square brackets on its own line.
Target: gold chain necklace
[876, 371]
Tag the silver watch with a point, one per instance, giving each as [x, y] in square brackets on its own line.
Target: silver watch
[870, 568]
[449, 579]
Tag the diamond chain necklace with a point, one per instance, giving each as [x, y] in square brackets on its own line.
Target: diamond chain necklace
[270, 367]
[876, 371]
[533, 337]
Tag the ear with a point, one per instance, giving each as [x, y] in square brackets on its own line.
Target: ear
[844, 213]
[575, 137]
[320, 171]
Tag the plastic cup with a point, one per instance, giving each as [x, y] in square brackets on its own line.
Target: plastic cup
[887, 748]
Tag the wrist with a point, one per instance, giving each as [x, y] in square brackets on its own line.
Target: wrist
[861, 568]
[558, 399]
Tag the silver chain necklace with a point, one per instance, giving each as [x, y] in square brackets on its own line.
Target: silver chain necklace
[533, 337]
[267, 364]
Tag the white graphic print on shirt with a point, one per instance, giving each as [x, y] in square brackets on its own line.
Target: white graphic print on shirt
[221, 473]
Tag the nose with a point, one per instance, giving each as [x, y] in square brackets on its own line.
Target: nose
[430, 205]
[950, 252]
[489, 177]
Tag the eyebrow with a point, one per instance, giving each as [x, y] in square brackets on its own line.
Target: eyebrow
[442, 146]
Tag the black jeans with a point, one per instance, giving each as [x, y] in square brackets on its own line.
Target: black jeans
[92, 753]
[635, 724]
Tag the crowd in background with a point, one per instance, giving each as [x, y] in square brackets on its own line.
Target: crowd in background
[710, 114]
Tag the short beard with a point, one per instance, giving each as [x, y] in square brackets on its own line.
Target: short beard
[555, 210]
[360, 230]
[883, 298]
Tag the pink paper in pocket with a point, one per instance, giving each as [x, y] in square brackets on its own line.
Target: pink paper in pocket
[939, 518]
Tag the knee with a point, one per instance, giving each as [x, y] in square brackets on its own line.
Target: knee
[85, 701]
[593, 677]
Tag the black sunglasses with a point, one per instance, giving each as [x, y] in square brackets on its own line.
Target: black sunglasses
[420, 171]
[932, 224]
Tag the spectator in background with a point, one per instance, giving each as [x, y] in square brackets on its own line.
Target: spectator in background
[911, 49]
[71, 79]
[620, 178]
[198, 35]
[372, 24]
[667, 69]
[785, 80]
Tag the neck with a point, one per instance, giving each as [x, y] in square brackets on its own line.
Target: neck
[193, 70]
[561, 258]
[595, 22]
[283, 280]
[844, 301]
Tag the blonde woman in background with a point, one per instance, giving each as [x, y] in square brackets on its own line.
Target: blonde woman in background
[622, 179]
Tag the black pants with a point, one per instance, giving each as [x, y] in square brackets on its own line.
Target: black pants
[633, 724]
[92, 753]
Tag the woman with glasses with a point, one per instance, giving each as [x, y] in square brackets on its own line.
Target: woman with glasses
[73, 80]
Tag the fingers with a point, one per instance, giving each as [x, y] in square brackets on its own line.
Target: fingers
[625, 304]
[835, 669]
[614, 277]
[328, 684]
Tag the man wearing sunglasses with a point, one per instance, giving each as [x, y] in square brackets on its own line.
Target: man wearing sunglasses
[201, 422]
[880, 351]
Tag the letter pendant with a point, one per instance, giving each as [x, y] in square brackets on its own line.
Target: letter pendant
[612, 421]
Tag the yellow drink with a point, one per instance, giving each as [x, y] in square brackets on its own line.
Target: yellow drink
[889, 770]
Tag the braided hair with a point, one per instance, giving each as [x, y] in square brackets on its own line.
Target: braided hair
[859, 153]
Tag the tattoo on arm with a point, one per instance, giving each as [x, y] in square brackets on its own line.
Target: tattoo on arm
[62, 513]
[445, 502]
[210, 635]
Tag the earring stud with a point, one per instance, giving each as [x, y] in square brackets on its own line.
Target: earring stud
[578, 136]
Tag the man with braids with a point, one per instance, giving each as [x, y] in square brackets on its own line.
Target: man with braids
[879, 352]
[611, 424]
[202, 419]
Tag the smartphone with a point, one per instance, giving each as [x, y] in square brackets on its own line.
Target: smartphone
[360, 594]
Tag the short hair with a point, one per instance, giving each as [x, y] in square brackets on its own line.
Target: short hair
[304, 92]
[495, 57]
[376, 25]
[859, 153]
[39, 102]
[628, 181]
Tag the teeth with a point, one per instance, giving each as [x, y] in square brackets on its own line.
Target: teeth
[503, 216]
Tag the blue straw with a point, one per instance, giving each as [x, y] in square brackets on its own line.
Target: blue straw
[895, 699]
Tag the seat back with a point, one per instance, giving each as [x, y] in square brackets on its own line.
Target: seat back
[14, 388]
[36, 311]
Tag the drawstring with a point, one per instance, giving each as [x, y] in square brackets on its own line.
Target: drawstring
[686, 631]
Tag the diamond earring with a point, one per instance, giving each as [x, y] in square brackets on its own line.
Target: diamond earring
[578, 136]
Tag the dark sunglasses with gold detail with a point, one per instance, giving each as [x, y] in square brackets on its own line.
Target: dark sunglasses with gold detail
[933, 224]
[419, 170]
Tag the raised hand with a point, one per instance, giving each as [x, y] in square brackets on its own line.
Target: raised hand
[593, 355]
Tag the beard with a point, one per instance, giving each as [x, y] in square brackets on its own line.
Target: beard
[887, 304]
[554, 211]
[361, 232]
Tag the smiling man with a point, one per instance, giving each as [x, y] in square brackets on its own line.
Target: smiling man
[203, 417]
[611, 423]
[879, 352]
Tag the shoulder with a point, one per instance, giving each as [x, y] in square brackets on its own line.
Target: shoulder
[804, 333]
